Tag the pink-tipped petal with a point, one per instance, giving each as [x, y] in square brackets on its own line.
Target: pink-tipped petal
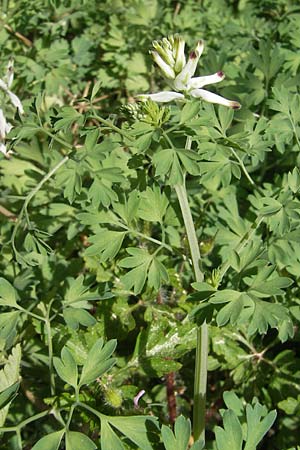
[161, 97]
[199, 82]
[181, 82]
[214, 98]
[199, 48]
[137, 398]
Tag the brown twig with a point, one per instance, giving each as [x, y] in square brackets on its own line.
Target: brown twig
[171, 398]
[18, 35]
[36, 401]
[5, 212]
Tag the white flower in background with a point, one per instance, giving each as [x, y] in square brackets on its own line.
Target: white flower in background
[5, 85]
[170, 58]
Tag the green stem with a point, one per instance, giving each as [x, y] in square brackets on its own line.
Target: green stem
[190, 230]
[35, 316]
[50, 351]
[148, 238]
[57, 138]
[242, 165]
[112, 126]
[25, 422]
[90, 409]
[202, 332]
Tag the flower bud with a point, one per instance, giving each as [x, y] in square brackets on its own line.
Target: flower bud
[166, 69]
[179, 45]
[113, 397]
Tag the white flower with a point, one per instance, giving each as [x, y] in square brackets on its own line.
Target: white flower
[5, 126]
[5, 86]
[169, 56]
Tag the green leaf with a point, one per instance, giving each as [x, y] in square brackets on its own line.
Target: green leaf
[76, 441]
[198, 445]
[204, 290]
[7, 294]
[267, 288]
[168, 438]
[136, 428]
[50, 442]
[232, 402]
[98, 361]
[8, 327]
[231, 312]
[95, 89]
[66, 367]
[182, 430]
[157, 274]
[109, 439]
[290, 405]
[66, 118]
[153, 205]
[266, 314]
[105, 244]
[139, 262]
[78, 294]
[9, 375]
[9, 394]
[225, 117]
[189, 111]
[75, 317]
[257, 428]
[231, 437]
[167, 166]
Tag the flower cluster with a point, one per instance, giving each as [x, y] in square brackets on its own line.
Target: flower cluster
[148, 112]
[169, 56]
[5, 85]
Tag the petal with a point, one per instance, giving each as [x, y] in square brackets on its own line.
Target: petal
[199, 82]
[3, 85]
[183, 78]
[13, 97]
[214, 98]
[167, 70]
[161, 97]
[8, 127]
[16, 101]
[3, 148]
[3, 125]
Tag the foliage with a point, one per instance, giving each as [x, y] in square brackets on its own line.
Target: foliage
[97, 291]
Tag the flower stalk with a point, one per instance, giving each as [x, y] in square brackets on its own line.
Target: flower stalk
[200, 380]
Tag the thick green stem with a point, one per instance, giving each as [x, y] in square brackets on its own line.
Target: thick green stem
[202, 332]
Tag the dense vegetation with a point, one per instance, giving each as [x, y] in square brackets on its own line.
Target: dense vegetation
[101, 298]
